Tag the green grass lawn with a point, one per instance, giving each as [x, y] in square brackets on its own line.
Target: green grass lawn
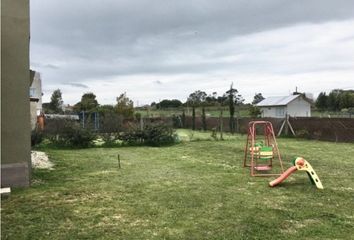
[193, 190]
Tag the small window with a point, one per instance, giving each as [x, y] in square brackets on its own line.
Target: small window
[32, 92]
[279, 111]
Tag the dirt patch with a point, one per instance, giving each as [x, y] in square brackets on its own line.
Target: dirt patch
[40, 160]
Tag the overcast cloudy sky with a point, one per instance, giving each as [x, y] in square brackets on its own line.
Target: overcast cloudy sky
[157, 49]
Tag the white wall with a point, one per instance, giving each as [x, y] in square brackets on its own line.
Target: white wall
[299, 108]
[36, 91]
[33, 107]
[274, 112]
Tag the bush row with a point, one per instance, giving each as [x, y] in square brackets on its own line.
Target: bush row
[157, 135]
[71, 134]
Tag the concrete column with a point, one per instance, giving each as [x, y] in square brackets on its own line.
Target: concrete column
[15, 105]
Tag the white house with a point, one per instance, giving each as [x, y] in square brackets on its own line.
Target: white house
[278, 107]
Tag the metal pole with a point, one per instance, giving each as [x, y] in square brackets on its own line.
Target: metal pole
[119, 161]
[98, 120]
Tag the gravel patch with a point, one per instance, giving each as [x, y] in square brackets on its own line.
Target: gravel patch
[40, 160]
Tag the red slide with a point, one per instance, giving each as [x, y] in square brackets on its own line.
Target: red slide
[282, 177]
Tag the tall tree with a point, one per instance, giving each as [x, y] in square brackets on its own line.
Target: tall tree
[333, 100]
[212, 99]
[258, 97]
[221, 124]
[174, 103]
[204, 119]
[346, 99]
[197, 98]
[88, 103]
[183, 119]
[322, 101]
[233, 99]
[193, 117]
[103, 109]
[56, 102]
[125, 106]
[231, 93]
[337, 100]
[153, 104]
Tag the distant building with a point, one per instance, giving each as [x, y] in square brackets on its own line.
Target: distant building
[35, 93]
[67, 109]
[62, 116]
[278, 107]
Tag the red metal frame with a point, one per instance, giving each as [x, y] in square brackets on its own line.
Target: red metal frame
[269, 140]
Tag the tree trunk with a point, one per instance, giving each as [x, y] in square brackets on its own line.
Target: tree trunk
[221, 124]
[193, 118]
[204, 119]
[183, 119]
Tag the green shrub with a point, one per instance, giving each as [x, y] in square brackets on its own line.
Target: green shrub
[73, 135]
[137, 115]
[157, 135]
[132, 137]
[109, 139]
[36, 137]
[177, 121]
[254, 111]
[214, 133]
[303, 133]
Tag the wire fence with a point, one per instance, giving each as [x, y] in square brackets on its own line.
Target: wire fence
[328, 129]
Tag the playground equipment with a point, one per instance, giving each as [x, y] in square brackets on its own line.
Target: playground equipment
[259, 156]
[301, 165]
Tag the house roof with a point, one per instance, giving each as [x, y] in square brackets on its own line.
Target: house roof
[62, 116]
[277, 101]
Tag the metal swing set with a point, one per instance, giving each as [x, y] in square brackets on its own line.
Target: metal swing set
[260, 156]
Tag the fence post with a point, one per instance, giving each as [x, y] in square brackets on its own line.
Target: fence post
[221, 124]
[98, 120]
[83, 119]
[141, 123]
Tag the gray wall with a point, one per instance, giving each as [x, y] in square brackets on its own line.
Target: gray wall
[36, 90]
[15, 79]
[36, 97]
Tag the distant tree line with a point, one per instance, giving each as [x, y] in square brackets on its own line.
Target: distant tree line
[230, 98]
[125, 107]
[89, 104]
[336, 100]
[55, 106]
[200, 98]
[166, 103]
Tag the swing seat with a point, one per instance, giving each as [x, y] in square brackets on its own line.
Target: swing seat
[255, 150]
[257, 147]
[266, 153]
[263, 168]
